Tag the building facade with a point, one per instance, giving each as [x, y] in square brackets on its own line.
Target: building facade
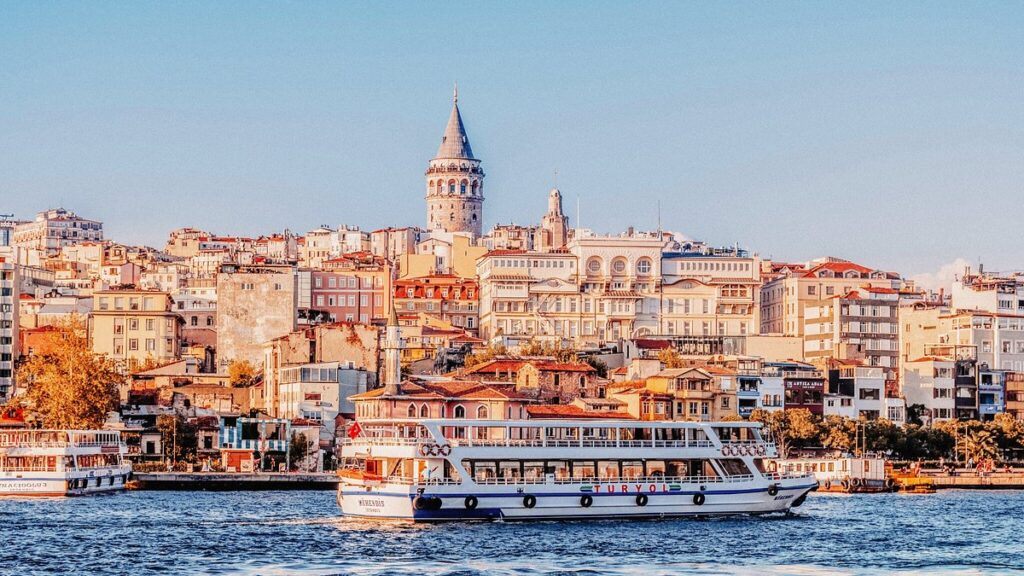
[134, 326]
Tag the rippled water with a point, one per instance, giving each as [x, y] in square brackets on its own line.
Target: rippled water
[301, 533]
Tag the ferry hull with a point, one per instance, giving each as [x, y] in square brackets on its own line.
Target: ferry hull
[551, 503]
[39, 485]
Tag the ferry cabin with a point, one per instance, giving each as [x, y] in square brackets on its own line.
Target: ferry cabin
[61, 462]
[845, 474]
[449, 469]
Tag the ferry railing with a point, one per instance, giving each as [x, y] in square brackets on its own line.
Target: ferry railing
[621, 480]
[35, 444]
[543, 443]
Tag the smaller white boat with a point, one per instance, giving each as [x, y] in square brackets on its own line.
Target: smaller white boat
[843, 474]
[61, 462]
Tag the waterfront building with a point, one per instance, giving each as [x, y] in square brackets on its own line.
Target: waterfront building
[54, 229]
[455, 181]
[709, 294]
[320, 392]
[929, 381]
[860, 324]
[998, 294]
[991, 393]
[703, 394]
[1014, 382]
[10, 296]
[803, 385]
[255, 304]
[785, 295]
[350, 288]
[445, 297]
[240, 438]
[855, 391]
[133, 326]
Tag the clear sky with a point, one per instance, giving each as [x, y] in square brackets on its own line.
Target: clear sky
[891, 133]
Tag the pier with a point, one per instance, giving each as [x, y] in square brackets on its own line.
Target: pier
[972, 480]
[226, 481]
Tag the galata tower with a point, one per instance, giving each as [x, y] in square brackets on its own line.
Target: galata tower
[455, 182]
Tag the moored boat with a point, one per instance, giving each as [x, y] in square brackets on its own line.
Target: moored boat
[453, 469]
[848, 474]
[61, 462]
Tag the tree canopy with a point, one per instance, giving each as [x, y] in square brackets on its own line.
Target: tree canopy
[68, 385]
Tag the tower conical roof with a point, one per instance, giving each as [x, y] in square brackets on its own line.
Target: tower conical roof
[455, 143]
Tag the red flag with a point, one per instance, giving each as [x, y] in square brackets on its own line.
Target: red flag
[354, 430]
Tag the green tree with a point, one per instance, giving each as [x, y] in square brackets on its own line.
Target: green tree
[68, 385]
[298, 449]
[178, 436]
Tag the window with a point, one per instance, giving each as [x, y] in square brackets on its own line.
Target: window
[594, 266]
[643, 267]
[481, 413]
[460, 412]
[411, 412]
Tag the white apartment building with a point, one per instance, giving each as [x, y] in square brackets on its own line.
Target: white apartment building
[8, 325]
[54, 229]
[930, 381]
[710, 294]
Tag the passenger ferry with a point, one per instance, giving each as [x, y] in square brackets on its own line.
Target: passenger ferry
[445, 469]
[61, 462]
[844, 474]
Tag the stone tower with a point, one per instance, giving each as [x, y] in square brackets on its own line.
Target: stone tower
[555, 224]
[392, 355]
[455, 182]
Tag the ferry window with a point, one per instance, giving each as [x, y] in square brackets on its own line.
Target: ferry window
[759, 464]
[509, 470]
[450, 473]
[560, 468]
[708, 470]
[584, 470]
[608, 469]
[831, 466]
[533, 470]
[734, 467]
[676, 468]
[632, 469]
[484, 471]
[655, 468]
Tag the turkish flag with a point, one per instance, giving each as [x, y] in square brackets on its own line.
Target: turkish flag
[354, 430]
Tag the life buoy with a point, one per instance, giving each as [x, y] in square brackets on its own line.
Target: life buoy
[761, 451]
[726, 450]
[471, 502]
[424, 450]
[445, 450]
[586, 501]
[435, 449]
[699, 499]
[529, 501]
[641, 499]
[773, 489]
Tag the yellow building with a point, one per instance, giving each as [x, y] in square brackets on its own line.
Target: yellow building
[706, 393]
[135, 325]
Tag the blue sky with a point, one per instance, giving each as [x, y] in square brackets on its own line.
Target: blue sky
[888, 133]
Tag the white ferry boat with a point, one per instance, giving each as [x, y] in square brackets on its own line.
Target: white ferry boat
[843, 474]
[61, 462]
[444, 469]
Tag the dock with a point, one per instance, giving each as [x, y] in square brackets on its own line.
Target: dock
[228, 481]
[972, 480]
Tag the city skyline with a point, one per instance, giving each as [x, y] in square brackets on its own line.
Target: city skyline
[883, 147]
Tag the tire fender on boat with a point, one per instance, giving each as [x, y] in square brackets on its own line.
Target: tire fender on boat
[586, 501]
[827, 485]
[641, 499]
[773, 489]
[529, 501]
[699, 499]
[471, 502]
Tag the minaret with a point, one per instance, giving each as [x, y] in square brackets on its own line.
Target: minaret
[455, 182]
[392, 356]
[554, 224]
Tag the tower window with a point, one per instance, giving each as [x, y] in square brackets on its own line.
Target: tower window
[451, 187]
[462, 188]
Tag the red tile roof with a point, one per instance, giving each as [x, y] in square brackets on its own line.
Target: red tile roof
[555, 411]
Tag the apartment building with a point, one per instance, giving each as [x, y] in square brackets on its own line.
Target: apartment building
[9, 325]
[133, 326]
[445, 297]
